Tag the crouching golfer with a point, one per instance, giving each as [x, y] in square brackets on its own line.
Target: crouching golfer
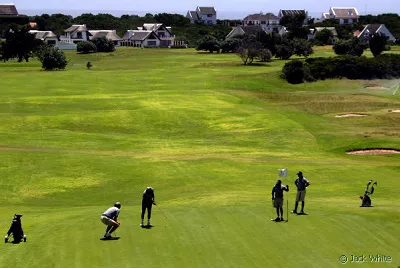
[147, 203]
[109, 218]
[277, 198]
[301, 183]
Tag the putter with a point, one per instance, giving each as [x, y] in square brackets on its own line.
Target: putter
[161, 211]
[287, 210]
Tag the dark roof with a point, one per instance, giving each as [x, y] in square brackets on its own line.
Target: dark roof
[252, 29]
[138, 35]
[261, 17]
[293, 12]
[8, 9]
[207, 10]
[372, 28]
[193, 14]
[345, 12]
[73, 28]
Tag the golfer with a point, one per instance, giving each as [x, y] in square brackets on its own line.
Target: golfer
[109, 218]
[277, 198]
[301, 184]
[147, 203]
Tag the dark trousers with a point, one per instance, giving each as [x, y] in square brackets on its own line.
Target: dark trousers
[148, 206]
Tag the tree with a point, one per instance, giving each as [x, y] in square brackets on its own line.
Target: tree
[265, 55]
[324, 37]
[249, 49]
[19, 44]
[103, 44]
[86, 47]
[377, 44]
[52, 58]
[302, 47]
[230, 45]
[354, 47]
[208, 43]
[284, 51]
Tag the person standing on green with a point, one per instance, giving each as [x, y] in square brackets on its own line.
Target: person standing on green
[301, 184]
[277, 198]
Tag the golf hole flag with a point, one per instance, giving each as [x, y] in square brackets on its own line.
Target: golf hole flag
[283, 172]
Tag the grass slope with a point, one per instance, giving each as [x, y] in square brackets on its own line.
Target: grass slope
[209, 135]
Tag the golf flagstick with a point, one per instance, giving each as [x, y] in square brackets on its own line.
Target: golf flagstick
[284, 173]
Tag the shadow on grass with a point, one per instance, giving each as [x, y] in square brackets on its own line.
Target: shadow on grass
[147, 227]
[110, 239]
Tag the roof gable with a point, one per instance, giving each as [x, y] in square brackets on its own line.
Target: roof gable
[293, 12]
[345, 12]
[261, 17]
[8, 10]
[76, 28]
[207, 10]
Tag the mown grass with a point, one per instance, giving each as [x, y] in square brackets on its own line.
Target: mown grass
[209, 134]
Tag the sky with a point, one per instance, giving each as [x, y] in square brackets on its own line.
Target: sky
[225, 8]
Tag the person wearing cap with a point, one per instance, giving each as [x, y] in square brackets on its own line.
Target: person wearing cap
[109, 218]
[147, 203]
[277, 197]
[301, 184]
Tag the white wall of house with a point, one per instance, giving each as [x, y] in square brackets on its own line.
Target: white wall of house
[207, 18]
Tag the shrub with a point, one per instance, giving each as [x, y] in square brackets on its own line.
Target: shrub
[86, 47]
[208, 43]
[385, 66]
[377, 44]
[52, 58]
[293, 72]
[103, 44]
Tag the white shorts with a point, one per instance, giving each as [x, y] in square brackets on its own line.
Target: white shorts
[107, 221]
[301, 195]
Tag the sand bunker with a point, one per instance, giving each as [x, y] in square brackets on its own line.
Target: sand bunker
[395, 111]
[374, 152]
[351, 115]
[376, 87]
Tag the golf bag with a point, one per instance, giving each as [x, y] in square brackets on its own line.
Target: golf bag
[16, 230]
[366, 200]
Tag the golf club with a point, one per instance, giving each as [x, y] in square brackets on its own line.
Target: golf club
[161, 211]
[287, 210]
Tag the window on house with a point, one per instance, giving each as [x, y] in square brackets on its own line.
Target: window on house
[151, 43]
[79, 35]
[209, 15]
[161, 34]
[263, 22]
[51, 42]
[345, 20]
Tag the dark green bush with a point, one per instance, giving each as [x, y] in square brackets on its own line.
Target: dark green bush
[293, 72]
[52, 58]
[385, 66]
[86, 47]
[103, 44]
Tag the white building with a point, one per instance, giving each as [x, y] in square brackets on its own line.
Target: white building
[206, 15]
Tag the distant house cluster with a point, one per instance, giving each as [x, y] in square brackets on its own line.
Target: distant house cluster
[205, 15]
[270, 23]
[160, 35]
[149, 35]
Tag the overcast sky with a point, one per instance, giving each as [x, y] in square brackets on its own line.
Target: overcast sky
[222, 6]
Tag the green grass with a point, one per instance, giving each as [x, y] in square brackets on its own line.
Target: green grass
[209, 134]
